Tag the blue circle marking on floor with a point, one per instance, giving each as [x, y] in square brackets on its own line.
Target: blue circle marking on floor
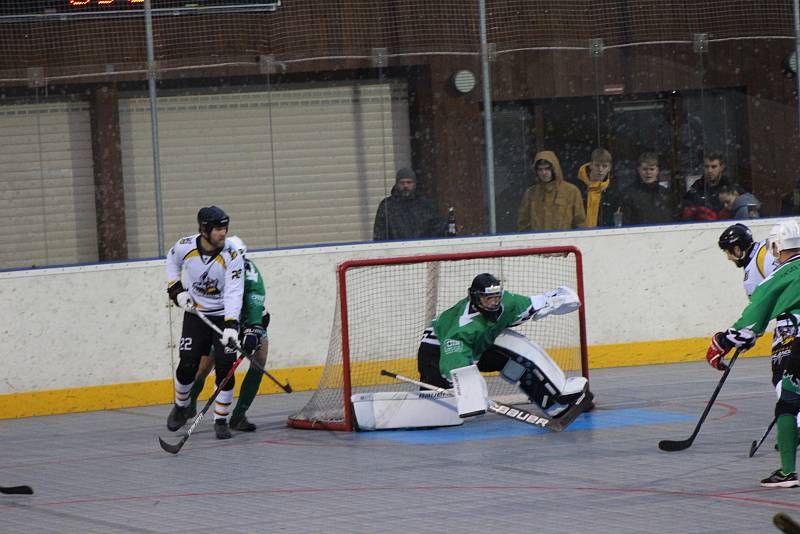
[493, 427]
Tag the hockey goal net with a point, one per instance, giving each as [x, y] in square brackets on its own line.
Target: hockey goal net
[383, 306]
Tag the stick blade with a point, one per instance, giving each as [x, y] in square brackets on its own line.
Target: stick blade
[753, 448]
[672, 446]
[172, 449]
[16, 490]
[287, 387]
[784, 523]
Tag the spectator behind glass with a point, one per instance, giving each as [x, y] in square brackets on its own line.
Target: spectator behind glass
[406, 214]
[739, 205]
[701, 202]
[790, 203]
[594, 179]
[646, 201]
[551, 203]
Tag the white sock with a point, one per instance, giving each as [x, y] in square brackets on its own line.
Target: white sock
[182, 393]
[222, 406]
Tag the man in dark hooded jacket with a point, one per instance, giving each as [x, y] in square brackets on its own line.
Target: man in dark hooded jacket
[406, 214]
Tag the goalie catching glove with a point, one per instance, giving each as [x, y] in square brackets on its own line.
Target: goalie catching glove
[723, 342]
[560, 301]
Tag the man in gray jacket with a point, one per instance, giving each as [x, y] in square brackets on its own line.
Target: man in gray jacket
[406, 214]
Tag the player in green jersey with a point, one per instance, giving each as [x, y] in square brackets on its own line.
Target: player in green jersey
[472, 337]
[777, 297]
[254, 320]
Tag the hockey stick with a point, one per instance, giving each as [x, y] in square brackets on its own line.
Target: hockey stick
[554, 425]
[174, 449]
[669, 445]
[754, 447]
[786, 524]
[16, 490]
[286, 388]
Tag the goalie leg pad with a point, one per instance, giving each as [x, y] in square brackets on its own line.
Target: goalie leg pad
[469, 387]
[538, 375]
[403, 410]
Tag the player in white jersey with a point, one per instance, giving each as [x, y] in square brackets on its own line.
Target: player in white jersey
[213, 270]
[754, 257]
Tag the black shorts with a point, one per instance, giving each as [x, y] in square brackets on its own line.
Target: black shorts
[428, 361]
[197, 340]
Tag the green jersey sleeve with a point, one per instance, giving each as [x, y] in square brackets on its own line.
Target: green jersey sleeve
[779, 293]
[254, 295]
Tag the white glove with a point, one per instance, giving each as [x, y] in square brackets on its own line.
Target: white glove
[184, 300]
[229, 337]
[560, 301]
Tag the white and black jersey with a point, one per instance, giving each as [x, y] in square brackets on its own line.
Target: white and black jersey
[215, 282]
[760, 265]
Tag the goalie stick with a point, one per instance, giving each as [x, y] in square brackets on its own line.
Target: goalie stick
[786, 524]
[756, 444]
[175, 449]
[670, 445]
[286, 388]
[16, 490]
[554, 425]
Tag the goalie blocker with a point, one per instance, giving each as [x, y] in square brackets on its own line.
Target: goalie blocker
[520, 362]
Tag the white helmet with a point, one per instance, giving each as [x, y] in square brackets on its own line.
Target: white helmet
[784, 236]
[236, 242]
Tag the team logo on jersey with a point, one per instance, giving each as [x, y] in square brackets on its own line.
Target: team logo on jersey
[233, 252]
[186, 241]
[452, 345]
[207, 286]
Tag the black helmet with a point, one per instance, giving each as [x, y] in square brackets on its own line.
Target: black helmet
[485, 285]
[212, 217]
[736, 235]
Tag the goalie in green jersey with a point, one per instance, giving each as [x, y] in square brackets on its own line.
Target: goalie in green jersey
[473, 336]
[777, 297]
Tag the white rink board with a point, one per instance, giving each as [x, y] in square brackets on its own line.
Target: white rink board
[108, 324]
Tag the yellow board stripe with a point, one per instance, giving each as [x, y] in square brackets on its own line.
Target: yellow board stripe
[155, 392]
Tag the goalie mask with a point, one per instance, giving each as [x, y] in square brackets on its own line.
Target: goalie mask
[486, 285]
[737, 235]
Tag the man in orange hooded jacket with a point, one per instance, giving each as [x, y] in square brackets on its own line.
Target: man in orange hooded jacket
[551, 203]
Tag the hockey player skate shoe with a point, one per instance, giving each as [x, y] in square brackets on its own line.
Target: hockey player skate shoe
[177, 417]
[221, 429]
[779, 480]
[242, 424]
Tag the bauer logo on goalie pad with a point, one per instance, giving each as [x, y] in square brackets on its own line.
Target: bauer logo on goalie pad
[452, 345]
[525, 417]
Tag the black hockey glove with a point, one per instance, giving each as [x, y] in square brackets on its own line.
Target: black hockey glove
[252, 337]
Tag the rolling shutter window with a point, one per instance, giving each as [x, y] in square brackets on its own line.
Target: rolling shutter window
[294, 167]
[46, 185]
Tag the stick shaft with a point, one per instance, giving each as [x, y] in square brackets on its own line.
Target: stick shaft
[766, 433]
[174, 449]
[287, 388]
[714, 395]
[668, 445]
